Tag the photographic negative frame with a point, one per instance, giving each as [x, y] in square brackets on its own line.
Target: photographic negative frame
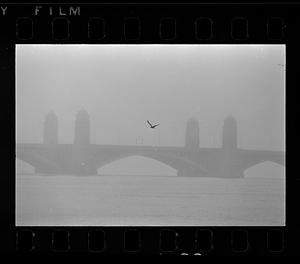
[148, 24]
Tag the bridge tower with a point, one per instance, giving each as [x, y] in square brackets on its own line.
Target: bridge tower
[229, 133]
[82, 128]
[50, 129]
[192, 134]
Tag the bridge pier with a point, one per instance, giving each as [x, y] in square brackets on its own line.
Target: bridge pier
[227, 170]
[47, 170]
[213, 174]
[188, 172]
[80, 169]
[85, 170]
[226, 164]
[228, 174]
[72, 171]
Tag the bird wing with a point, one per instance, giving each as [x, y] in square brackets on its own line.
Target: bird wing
[149, 123]
[156, 125]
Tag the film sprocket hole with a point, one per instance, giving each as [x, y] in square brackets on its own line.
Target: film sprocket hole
[149, 128]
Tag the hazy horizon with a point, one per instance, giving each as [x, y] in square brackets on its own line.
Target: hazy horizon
[122, 86]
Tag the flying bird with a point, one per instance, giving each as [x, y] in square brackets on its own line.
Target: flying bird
[152, 126]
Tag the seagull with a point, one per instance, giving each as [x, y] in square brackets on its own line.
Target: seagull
[152, 126]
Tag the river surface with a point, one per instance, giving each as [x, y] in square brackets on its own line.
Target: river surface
[115, 200]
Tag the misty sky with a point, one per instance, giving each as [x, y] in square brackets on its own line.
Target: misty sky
[121, 86]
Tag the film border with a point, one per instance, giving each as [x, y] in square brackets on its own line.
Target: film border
[152, 24]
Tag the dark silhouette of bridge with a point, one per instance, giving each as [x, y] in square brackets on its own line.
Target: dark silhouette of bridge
[84, 158]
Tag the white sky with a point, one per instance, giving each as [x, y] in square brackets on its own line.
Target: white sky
[121, 86]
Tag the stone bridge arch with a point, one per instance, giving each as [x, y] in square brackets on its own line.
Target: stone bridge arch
[137, 165]
[181, 165]
[23, 167]
[266, 168]
[253, 158]
[38, 161]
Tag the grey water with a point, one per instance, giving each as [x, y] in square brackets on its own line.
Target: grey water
[139, 200]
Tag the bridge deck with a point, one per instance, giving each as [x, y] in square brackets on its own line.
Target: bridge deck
[144, 147]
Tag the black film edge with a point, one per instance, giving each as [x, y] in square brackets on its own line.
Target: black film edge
[147, 24]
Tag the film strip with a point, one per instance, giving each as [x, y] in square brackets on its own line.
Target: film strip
[74, 23]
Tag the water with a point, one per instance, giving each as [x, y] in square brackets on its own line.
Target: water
[148, 200]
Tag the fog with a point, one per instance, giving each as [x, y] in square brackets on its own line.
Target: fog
[122, 86]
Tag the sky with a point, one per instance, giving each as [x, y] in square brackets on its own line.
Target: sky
[122, 86]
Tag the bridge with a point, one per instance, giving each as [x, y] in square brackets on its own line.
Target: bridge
[84, 158]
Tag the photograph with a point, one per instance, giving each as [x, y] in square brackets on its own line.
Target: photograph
[150, 135]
